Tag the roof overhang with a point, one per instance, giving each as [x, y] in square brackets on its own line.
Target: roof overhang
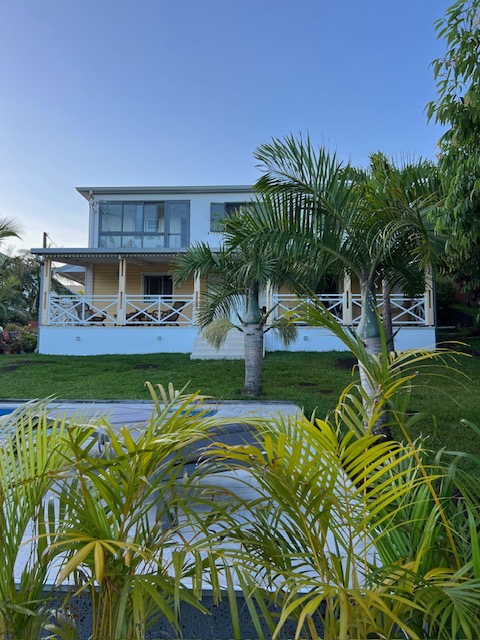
[86, 257]
[88, 192]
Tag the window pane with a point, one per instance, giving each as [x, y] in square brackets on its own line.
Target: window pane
[157, 285]
[178, 223]
[154, 242]
[131, 242]
[111, 216]
[130, 216]
[231, 208]
[110, 241]
[154, 217]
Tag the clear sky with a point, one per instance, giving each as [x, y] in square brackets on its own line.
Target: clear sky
[181, 92]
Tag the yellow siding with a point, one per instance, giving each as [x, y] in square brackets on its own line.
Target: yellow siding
[105, 279]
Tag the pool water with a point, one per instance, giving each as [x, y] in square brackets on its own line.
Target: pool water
[5, 412]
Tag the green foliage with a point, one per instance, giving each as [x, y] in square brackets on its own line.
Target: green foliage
[457, 106]
[372, 539]
[20, 288]
[236, 274]
[115, 530]
[346, 534]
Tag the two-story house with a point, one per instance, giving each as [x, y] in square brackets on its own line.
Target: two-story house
[129, 303]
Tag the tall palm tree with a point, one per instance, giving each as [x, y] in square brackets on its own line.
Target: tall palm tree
[369, 226]
[236, 279]
[407, 193]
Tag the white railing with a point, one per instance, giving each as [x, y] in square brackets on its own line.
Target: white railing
[288, 303]
[178, 310]
[81, 310]
[405, 311]
[159, 310]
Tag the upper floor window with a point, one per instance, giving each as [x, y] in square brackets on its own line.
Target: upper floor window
[221, 210]
[144, 225]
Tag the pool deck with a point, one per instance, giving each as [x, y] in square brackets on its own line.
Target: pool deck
[131, 413]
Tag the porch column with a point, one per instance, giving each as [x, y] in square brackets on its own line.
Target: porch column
[347, 311]
[46, 291]
[197, 285]
[429, 297]
[122, 281]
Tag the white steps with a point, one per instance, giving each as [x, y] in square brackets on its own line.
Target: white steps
[232, 348]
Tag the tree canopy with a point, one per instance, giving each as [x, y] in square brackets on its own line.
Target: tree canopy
[457, 107]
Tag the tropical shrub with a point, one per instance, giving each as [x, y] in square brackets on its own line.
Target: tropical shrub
[114, 528]
[351, 535]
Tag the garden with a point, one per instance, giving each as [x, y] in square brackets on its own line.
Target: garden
[325, 529]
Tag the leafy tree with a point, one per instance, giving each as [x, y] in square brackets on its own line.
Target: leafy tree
[20, 288]
[236, 278]
[457, 107]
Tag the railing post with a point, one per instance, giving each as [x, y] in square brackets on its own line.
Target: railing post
[46, 291]
[429, 297]
[347, 312]
[269, 301]
[197, 285]
[122, 279]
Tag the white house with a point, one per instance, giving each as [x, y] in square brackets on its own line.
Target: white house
[129, 303]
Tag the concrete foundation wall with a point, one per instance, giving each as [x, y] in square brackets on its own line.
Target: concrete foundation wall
[97, 340]
[90, 341]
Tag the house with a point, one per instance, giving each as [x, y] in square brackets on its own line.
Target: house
[129, 303]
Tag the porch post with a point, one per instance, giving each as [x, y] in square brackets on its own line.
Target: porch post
[46, 291]
[197, 285]
[347, 311]
[429, 297]
[122, 280]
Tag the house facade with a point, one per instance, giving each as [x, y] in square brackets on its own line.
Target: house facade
[129, 304]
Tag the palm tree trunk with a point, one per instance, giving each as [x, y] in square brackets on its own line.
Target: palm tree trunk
[370, 334]
[253, 341]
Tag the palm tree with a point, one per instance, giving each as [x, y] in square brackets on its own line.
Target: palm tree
[407, 194]
[9, 228]
[372, 226]
[236, 279]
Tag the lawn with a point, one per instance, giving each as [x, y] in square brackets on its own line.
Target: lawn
[309, 379]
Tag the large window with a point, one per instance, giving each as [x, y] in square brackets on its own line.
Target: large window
[221, 210]
[144, 225]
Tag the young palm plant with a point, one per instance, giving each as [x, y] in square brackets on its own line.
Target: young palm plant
[123, 538]
[350, 535]
[33, 456]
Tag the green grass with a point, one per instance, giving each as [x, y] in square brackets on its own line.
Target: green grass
[308, 379]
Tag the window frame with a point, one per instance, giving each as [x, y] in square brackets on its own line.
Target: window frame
[118, 238]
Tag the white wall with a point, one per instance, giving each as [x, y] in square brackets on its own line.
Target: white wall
[317, 339]
[89, 341]
[86, 341]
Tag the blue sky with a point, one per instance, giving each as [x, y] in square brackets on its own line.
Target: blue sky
[172, 92]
